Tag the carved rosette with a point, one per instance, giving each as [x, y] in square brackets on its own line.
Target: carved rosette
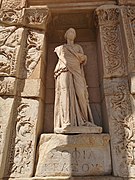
[111, 45]
[23, 142]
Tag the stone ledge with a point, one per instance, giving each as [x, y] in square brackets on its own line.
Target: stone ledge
[73, 178]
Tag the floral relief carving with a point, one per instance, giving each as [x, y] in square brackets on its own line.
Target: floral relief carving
[22, 151]
[9, 45]
[33, 50]
[112, 50]
[113, 58]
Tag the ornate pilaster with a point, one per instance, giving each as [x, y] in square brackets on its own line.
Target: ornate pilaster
[22, 73]
[117, 101]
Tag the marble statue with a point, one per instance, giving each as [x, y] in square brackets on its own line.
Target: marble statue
[71, 96]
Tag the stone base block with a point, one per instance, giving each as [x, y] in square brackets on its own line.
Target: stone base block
[73, 155]
[75, 130]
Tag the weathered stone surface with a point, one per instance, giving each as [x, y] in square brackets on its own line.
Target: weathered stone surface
[31, 88]
[77, 155]
[5, 128]
[23, 138]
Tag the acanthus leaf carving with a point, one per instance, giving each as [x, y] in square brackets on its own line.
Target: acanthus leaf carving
[33, 50]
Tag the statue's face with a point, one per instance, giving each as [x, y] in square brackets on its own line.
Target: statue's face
[71, 34]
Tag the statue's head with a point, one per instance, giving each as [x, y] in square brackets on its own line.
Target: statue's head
[70, 34]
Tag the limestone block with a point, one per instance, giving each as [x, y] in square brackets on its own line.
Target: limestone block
[31, 88]
[10, 42]
[7, 86]
[73, 155]
[23, 138]
[5, 125]
[13, 4]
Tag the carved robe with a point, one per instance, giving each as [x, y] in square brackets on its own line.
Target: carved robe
[71, 95]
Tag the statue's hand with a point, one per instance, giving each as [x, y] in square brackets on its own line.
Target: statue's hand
[82, 58]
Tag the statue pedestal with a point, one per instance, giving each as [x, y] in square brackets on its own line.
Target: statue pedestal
[73, 155]
[78, 129]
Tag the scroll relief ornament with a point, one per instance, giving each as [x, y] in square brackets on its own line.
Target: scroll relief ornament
[10, 39]
[23, 145]
[34, 50]
[113, 58]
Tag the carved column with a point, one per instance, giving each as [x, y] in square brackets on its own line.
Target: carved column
[115, 90]
[22, 73]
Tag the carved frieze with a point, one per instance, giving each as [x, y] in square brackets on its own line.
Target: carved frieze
[23, 140]
[111, 45]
